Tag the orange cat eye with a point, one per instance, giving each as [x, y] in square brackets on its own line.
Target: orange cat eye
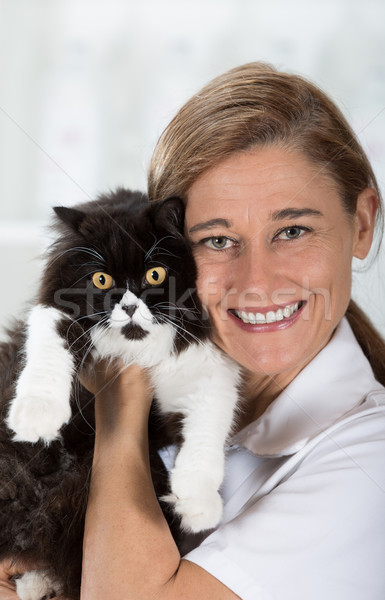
[102, 281]
[156, 275]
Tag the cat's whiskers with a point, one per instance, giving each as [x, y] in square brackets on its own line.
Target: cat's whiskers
[92, 341]
[165, 252]
[183, 332]
[96, 265]
[77, 321]
[87, 332]
[91, 251]
[197, 309]
[90, 316]
[175, 313]
[173, 308]
[155, 247]
[160, 263]
[85, 276]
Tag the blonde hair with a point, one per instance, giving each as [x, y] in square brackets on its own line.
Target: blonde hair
[255, 105]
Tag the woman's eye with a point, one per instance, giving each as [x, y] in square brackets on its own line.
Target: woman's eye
[291, 233]
[218, 243]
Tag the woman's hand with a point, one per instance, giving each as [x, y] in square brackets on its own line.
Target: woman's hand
[7, 585]
[123, 396]
[10, 569]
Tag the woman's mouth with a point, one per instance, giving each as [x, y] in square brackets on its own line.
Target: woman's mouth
[271, 316]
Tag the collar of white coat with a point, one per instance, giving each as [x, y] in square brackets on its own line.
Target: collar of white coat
[336, 381]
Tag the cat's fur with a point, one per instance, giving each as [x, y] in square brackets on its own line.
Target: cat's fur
[46, 429]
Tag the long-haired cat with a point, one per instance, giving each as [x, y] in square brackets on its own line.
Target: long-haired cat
[119, 282]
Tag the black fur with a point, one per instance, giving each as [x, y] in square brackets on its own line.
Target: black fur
[43, 489]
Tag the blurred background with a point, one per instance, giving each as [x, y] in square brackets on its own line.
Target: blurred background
[87, 86]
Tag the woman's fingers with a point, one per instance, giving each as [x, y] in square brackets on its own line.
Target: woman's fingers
[99, 375]
[9, 569]
[6, 593]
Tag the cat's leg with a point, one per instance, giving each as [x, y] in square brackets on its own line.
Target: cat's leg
[209, 412]
[37, 585]
[42, 400]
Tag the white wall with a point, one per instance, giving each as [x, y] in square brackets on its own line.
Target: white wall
[86, 87]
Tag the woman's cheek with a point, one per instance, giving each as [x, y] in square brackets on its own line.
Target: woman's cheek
[212, 282]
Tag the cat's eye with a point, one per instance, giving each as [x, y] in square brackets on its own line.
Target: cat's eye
[156, 275]
[102, 281]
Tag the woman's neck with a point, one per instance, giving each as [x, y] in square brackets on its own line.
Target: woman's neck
[259, 391]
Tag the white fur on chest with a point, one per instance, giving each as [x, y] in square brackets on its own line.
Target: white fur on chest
[197, 372]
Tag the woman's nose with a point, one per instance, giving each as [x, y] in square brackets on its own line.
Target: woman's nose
[257, 275]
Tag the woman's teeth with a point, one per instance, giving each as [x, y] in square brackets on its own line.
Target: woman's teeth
[270, 317]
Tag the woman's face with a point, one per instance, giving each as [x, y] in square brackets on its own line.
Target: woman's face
[274, 249]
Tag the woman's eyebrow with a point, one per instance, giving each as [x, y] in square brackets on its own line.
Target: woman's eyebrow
[210, 224]
[294, 213]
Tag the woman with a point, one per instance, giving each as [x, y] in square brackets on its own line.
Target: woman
[279, 199]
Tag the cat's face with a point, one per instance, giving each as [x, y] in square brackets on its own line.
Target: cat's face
[123, 265]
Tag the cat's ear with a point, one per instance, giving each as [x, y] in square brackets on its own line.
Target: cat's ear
[170, 212]
[70, 216]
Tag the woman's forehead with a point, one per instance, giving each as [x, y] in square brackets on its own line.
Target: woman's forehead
[273, 180]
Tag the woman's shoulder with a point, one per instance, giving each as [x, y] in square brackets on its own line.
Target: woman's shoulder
[360, 432]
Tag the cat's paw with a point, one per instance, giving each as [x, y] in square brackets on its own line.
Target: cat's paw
[36, 585]
[194, 499]
[37, 417]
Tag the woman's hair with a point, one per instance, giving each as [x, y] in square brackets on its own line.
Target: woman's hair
[254, 106]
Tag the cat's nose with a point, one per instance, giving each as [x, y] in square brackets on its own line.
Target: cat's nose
[130, 309]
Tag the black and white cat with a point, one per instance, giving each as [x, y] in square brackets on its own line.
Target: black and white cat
[120, 283]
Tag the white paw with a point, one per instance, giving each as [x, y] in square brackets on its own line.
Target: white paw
[195, 500]
[36, 585]
[37, 417]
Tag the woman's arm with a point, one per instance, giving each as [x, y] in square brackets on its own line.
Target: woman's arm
[128, 548]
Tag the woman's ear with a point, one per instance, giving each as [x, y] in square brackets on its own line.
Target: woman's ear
[364, 220]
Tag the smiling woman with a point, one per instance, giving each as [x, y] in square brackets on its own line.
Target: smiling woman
[282, 269]
[255, 107]
[279, 199]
